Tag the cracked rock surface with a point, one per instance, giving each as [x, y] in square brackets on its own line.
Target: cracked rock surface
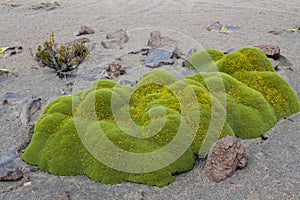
[224, 158]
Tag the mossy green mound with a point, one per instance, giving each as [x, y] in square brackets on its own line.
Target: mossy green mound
[244, 106]
[275, 90]
[152, 131]
[246, 59]
[204, 60]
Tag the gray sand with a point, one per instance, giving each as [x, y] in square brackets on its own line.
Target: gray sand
[274, 165]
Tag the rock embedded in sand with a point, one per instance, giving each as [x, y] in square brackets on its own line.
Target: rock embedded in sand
[114, 40]
[30, 111]
[120, 35]
[113, 70]
[274, 32]
[82, 40]
[111, 44]
[218, 27]
[224, 158]
[159, 56]
[46, 5]
[12, 167]
[156, 40]
[271, 51]
[84, 30]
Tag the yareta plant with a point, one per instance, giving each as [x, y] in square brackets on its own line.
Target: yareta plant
[152, 131]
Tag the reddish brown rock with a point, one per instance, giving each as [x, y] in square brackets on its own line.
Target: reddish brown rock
[224, 158]
[84, 30]
[113, 70]
[271, 51]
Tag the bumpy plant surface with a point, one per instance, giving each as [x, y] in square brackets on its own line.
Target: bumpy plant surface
[92, 131]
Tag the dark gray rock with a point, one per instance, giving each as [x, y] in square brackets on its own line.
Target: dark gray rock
[142, 51]
[159, 56]
[275, 63]
[120, 35]
[12, 167]
[224, 158]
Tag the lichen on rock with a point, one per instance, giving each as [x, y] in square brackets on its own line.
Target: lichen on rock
[149, 132]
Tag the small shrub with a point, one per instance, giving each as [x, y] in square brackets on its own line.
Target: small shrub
[63, 58]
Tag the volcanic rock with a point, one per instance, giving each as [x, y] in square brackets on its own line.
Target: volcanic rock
[224, 158]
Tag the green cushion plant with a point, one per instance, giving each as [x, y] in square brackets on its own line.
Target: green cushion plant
[74, 130]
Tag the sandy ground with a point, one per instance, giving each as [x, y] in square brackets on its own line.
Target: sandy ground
[274, 165]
